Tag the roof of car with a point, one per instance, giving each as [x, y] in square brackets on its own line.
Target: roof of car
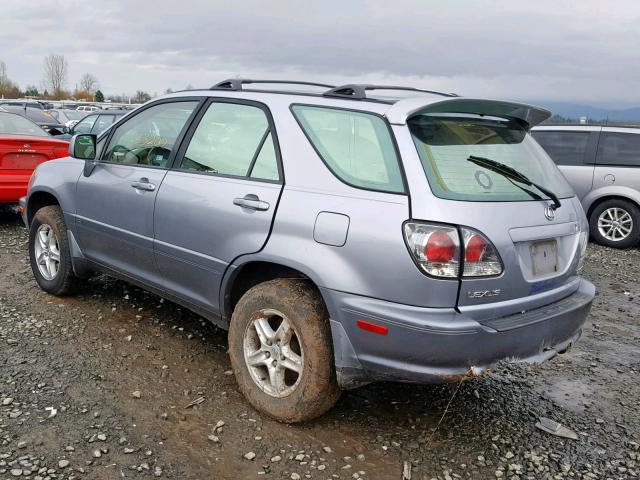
[107, 112]
[584, 126]
[407, 102]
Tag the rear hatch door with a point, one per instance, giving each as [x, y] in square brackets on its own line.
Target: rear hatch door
[539, 246]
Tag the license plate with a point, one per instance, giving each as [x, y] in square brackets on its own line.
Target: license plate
[544, 258]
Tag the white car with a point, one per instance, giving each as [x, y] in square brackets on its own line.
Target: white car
[87, 108]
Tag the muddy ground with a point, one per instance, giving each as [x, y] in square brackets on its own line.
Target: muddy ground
[72, 369]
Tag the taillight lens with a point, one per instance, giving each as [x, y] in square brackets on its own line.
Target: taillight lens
[435, 248]
[480, 256]
[584, 239]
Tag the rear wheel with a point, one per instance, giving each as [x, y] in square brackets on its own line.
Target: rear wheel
[49, 253]
[616, 223]
[281, 350]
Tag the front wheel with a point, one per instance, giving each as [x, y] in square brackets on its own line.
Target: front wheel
[281, 350]
[615, 223]
[49, 252]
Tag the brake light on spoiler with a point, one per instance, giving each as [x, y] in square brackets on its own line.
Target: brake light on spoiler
[448, 251]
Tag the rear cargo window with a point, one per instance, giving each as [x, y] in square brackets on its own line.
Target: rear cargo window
[355, 146]
[13, 124]
[445, 143]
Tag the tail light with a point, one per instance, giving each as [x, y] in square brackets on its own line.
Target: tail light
[439, 250]
[480, 256]
[584, 239]
[435, 248]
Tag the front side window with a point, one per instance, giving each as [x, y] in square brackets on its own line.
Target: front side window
[149, 137]
[85, 125]
[356, 146]
[618, 148]
[445, 144]
[564, 148]
[232, 139]
[103, 122]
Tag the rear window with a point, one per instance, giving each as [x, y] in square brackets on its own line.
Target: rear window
[564, 148]
[355, 146]
[445, 143]
[12, 124]
[619, 149]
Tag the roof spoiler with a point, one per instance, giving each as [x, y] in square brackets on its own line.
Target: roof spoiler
[402, 110]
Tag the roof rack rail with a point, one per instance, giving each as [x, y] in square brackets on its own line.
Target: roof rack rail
[235, 84]
[358, 91]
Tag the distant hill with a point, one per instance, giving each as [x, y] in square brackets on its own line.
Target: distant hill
[575, 111]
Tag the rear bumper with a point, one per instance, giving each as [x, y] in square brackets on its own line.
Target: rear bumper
[434, 345]
[13, 185]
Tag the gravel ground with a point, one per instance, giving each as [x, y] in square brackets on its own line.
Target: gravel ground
[99, 386]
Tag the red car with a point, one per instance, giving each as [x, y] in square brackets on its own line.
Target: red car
[23, 146]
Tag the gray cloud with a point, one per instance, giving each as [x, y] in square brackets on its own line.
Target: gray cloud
[549, 50]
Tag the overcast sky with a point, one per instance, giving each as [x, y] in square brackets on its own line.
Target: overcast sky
[579, 51]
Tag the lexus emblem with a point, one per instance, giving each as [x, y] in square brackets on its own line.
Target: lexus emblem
[549, 212]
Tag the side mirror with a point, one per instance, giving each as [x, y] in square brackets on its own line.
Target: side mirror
[83, 146]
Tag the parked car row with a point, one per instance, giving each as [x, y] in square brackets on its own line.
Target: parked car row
[343, 235]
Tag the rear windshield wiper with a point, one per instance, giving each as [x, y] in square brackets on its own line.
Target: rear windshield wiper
[513, 174]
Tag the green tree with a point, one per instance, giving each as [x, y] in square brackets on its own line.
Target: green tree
[31, 91]
[99, 96]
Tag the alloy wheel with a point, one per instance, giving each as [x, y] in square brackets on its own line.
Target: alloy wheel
[615, 224]
[47, 252]
[273, 353]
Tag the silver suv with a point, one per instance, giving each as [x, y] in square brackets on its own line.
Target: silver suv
[341, 234]
[603, 165]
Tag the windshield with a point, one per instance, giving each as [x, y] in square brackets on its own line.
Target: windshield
[12, 124]
[445, 143]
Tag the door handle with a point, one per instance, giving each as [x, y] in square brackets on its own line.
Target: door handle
[251, 202]
[143, 185]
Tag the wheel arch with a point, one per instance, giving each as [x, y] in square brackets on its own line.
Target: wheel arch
[37, 200]
[606, 197]
[242, 277]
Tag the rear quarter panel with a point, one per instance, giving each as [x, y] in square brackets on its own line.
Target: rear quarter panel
[374, 260]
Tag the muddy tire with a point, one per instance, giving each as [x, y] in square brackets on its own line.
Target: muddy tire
[615, 223]
[49, 253]
[281, 350]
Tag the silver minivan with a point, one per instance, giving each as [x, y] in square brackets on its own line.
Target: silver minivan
[341, 234]
[602, 163]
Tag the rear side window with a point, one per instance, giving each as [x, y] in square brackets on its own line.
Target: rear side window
[355, 146]
[233, 139]
[564, 148]
[619, 149]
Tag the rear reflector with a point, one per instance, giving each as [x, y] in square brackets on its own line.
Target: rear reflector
[372, 327]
